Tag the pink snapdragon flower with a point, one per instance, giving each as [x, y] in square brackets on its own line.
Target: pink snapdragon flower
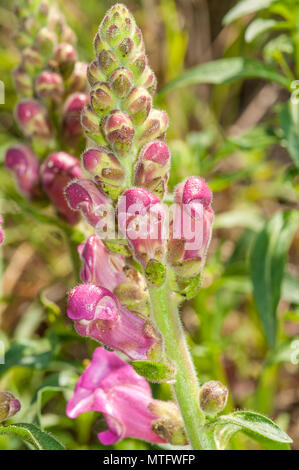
[24, 164]
[99, 265]
[141, 218]
[98, 314]
[111, 386]
[56, 172]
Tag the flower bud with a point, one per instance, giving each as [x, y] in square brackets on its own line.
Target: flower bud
[32, 60]
[138, 104]
[46, 41]
[138, 64]
[132, 292]
[213, 397]
[77, 81]
[97, 314]
[152, 169]
[32, 119]
[105, 167]
[90, 120]
[68, 35]
[191, 228]
[108, 61]
[119, 131]
[84, 195]
[154, 126]
[169, 425]
[148, 80]
[56, 172]
[101, 267]
[141, 218]
[94, 74]
[121, 81]
[66, 57]
[49, 85]
[24, 164]
[23, 82]
[9, 405]
[101, 97]
[125, 50]
[71, 118]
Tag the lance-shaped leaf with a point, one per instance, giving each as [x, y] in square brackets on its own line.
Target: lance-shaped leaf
[31, 434]
[267, 262]
[244, 8]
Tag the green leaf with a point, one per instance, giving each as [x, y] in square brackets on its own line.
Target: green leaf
[253, 424]
[154, 371]
[244, 8]
[259, 26]
[289, 120]
[31, 434]
[34, 354]
[225, 71]
[267, 263]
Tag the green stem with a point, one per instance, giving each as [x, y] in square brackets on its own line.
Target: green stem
[186, 386]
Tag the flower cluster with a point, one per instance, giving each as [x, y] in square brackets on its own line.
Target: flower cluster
[51, 84]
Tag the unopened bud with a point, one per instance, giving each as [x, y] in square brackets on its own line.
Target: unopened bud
[132, 292]
[108, 61]
[138, 64]
[68, 35]
[57, 171]
[23, 82]
[169, 426]
[71, 121]
[155, 126]
[32, 119]
[102, 99]
[138, 104]
[90, 120]
[213, 397]
[32, 60]
[125, 50]
[77, 81]
[94, 74]
[149, 80]
[9, 405]
[66, 57]
[49, 85]
[119, 131]
[152, 169]
[121, 81]
[46, 41]
[24, 164]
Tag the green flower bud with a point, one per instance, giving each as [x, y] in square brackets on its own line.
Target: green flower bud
[66, 57]
[119, 131]
[138, 64]
[101, 97]
[121, 81]
[125, 49]
[169, 425]
[213, 397]
[9, 405]
[23, 82]
[103, 165]
[154, 126]
[46, 41]
[90, 120]
[94, 74]
[108, 61]
[138, 104]
[32, 60]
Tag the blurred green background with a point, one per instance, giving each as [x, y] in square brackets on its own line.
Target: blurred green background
[243, 325]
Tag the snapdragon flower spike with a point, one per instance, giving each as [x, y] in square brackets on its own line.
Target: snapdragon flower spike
[32, 119]
[105, 167]
[97, 314]
[101, 267]
[141, 218]
[49, 85]
[84, 195]
[191, 228]
[25, 166]
[71, 118]
[9, 405]
[56, 172]
[152, 169]
[110, 385]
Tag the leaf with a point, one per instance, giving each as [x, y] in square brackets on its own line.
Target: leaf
[225, 71]
[34, 354]
[154, 371]
[253, 424]
[259, 137]
[267, 262]
[286, 352]
[244, 8]
[259, 26]
[290, 125]
[31, 434]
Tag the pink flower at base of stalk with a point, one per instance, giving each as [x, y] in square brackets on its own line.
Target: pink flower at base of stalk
[141, 218]
[101, 267]
[111, 386]
[56, 172]
[97, 314]
[84, 195]
[24, 164]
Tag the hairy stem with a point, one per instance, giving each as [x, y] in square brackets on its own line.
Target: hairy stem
[186, 386]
